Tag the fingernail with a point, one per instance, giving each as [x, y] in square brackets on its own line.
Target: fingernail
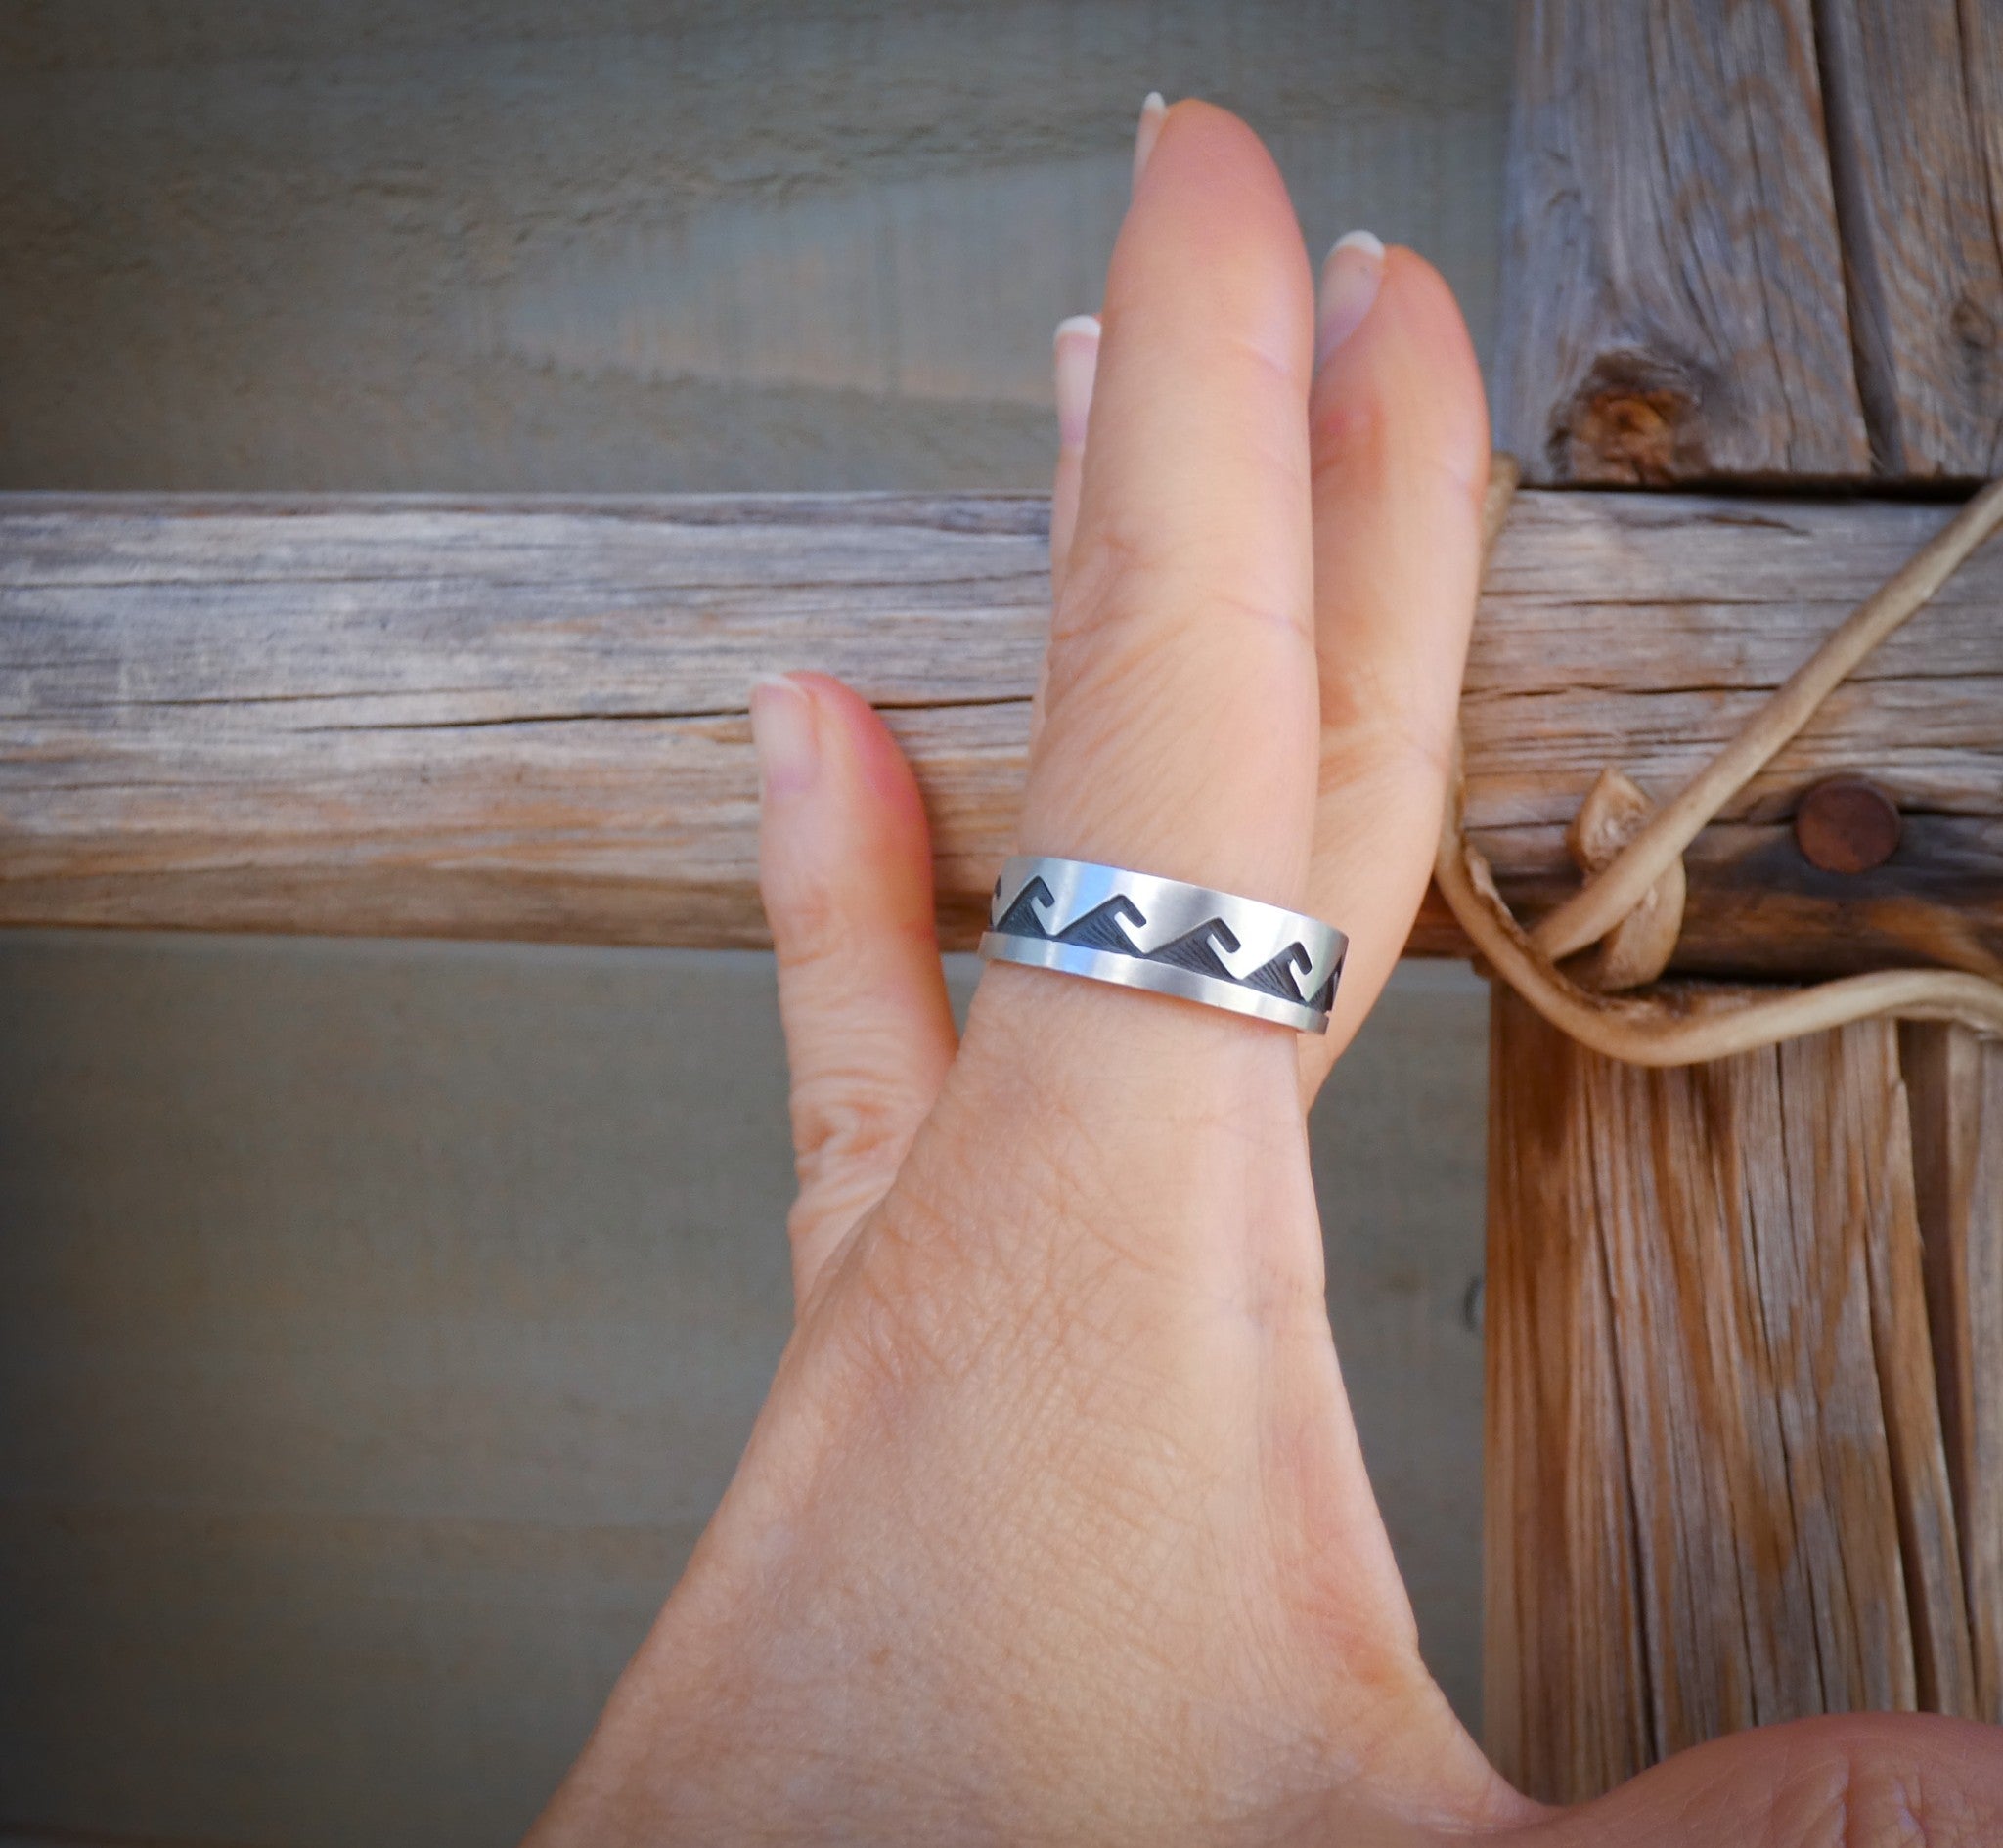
[1350, 281]
[784, 735]
[1152, 110]
[1077, 366]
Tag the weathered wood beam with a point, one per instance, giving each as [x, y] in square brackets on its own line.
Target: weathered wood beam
[527, 719]
[1672, 277]
[1914, 93]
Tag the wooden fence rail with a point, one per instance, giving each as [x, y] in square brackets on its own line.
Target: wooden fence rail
[527, 719]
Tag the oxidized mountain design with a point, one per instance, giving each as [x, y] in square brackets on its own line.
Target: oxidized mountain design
[1193, 949]
[1099, 927]
[1102, 928]
[1020, 919]
[1226, 951]
[1277, 976]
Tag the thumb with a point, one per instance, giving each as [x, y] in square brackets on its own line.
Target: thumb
[845, 868]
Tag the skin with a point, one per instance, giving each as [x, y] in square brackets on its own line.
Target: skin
[1055, 1526]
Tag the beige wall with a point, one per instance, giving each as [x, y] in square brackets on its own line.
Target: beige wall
[379, 1322]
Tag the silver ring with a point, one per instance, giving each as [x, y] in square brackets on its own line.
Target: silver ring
[1142, 932]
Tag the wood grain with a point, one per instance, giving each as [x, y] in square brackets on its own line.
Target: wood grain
[1956, 1085]
[1564, 1666]
[1866, 1173]
[1714, 1445]
[440, 719]
[526, 719]
[1915, 110]
[1673, 289]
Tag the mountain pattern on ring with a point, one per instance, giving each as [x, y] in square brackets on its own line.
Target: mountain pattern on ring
[1103, 928]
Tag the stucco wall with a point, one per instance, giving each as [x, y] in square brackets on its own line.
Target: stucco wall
[379, 1324]
[499, 243]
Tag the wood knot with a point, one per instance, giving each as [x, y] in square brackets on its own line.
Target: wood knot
[1635, 419]
[1846, 824]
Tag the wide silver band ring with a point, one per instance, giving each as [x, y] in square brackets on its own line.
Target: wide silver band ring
[1110, 924]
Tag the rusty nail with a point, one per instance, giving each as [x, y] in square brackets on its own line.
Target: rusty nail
[1846, 824]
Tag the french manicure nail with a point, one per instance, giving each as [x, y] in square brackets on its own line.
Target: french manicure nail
[1152, 110]
[1077, 361]
[1350, 281]
[784, 734]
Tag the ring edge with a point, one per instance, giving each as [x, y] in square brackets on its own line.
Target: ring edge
[1150, 978]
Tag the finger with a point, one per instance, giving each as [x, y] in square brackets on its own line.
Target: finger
[1399, 437]
[1077, 363]
[845, 868]
[1147, 132]
[1076, 360]
[1075, 357]
[1179, 732]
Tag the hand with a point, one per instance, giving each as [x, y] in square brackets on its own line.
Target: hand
[1055, 1526]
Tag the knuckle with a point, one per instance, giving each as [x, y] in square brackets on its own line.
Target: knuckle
[808, 924]
[1147, 635]
[846, 1122]
[1117, 567]
[1395, 744]
[1347, 430]
[1361, 436]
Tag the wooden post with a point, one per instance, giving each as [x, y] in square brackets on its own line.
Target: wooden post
[1745, 1320]
[1955, 1083]
[1718, 1493]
